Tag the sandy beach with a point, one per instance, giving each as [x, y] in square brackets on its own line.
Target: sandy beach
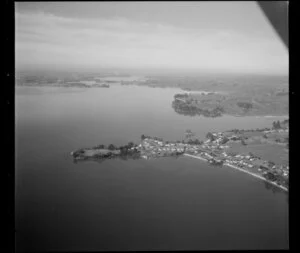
[245, 171]
[257, 176]
[197, 157]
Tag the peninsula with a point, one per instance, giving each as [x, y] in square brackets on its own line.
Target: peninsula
[256, 149]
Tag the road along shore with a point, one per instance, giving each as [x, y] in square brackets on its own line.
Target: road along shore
[245, 171]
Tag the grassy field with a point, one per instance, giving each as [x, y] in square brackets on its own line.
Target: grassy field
[243, 104]
[242, 95]
[252, 134]
[93, 152]
[275, 153]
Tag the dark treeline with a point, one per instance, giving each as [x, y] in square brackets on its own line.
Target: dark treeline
[280, 125]
[187, 109]
[236, 131]
[127, 149]
[195, 142]
[149, 137]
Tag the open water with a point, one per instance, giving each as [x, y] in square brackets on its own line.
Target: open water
[164, 204]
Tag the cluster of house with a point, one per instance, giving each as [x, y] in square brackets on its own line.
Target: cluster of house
[247, 161]
[219, 139]
[151, 148]
[263, 167]
[242, 161]
[212, 151]
[156, 148]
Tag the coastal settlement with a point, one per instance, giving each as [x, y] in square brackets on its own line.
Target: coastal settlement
[214, 150]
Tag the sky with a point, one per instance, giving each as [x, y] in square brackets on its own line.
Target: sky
[205, 36]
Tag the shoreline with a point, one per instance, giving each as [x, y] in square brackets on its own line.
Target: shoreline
[257, 176]
[171, 87]
[245, 171]
[241, 115]
[197, 157]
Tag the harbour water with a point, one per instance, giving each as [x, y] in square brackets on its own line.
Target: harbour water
[164, 204]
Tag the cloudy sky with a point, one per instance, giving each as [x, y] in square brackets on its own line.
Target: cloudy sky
[209, 36]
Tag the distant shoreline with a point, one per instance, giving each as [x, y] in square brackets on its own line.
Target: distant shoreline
[178, 99]
[274, 116]
[259, 116]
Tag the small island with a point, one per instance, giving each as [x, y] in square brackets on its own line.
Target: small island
[255, 146]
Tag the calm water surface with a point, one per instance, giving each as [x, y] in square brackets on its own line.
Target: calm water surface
[164, 204]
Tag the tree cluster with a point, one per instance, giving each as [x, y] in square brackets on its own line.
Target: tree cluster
[245, 105]
[126, 149]
[210, 136]
[149, 137]
[243, 142]
[224, 140]
[181, 95]
[189, 134]
[195, 142]
[276, 125]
